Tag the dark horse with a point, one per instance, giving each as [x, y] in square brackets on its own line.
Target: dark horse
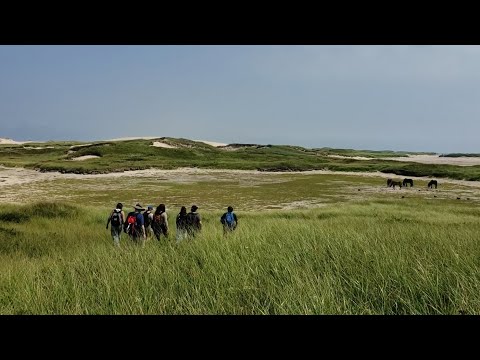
[393, 183]
[407, 181]
[431, 183]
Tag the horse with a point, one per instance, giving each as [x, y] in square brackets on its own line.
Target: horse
[407, 181]
[431, 183]
[389, 182]
[396, 183]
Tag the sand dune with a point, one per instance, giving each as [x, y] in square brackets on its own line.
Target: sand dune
[163, 145]
[85, 157]
[435, 159]
[38, 147]
[422, 159]
[212, 143]
[350, 157]
[7, 141]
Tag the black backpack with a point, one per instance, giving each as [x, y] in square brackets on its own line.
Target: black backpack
[182, 221]
[116, 218]
[192, 220]
[146, 219]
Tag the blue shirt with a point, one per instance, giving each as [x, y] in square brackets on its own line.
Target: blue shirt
[140, 219]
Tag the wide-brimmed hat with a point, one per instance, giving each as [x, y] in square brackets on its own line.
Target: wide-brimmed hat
[138, 207]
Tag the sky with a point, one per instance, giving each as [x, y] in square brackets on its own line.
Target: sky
[411, 98]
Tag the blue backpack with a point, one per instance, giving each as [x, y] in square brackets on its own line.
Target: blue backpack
[229, 219]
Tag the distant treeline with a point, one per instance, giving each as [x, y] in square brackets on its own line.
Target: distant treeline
[454, 155]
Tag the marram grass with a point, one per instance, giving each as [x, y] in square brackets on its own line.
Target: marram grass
[375, 258]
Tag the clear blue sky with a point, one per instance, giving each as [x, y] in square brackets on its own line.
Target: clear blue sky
[424, 98]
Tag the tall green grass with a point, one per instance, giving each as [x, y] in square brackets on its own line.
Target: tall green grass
[385, 257]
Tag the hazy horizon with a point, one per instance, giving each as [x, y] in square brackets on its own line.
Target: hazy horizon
[401, 98]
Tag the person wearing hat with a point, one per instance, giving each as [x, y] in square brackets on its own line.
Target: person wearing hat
[194, 221]
[135, 225]
[147, 219]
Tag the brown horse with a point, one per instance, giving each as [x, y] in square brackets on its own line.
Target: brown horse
[396, 183]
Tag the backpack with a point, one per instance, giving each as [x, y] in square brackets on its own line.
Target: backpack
[181, 221]
[146, 219]
[229, 219]
[131, 222]
[157, 218]
[192, 220]
[116, 218]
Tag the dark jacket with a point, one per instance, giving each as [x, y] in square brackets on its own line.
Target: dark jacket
[194, 221]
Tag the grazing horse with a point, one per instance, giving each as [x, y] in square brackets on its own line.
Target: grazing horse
[396, 183]
[431, 183]
[407, 181]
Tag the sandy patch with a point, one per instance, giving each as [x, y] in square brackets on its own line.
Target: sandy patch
[422, 159]
[38, 147]
[163, 145]
[436, 159]
[6, 141]
[212, 143]
[15, 176]
[85, 157]
[19, 184]
[350, 157]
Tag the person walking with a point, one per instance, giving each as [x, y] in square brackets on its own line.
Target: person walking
[181, 223]
[116, 219]
[147, 219]
[160, 222]
[229, 221]
[135, 226]
[194, 221]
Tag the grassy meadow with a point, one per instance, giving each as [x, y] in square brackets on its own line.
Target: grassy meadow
[306, 244]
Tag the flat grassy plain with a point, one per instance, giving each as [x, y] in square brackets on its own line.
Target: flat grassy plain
[306, 244]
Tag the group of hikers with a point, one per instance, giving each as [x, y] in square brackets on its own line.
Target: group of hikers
[142, 223]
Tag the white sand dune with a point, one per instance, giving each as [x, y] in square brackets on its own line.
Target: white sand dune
[85, 157]
[435, 159]
[38, 147]
[160, 144]
[7, 141]
[163, 145]
[423, 159]
[350, 157]
[212, 143]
